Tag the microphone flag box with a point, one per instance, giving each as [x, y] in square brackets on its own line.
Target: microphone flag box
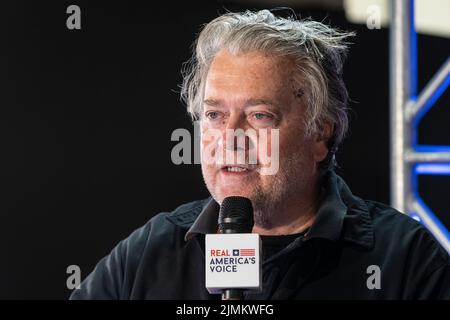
[232, 261]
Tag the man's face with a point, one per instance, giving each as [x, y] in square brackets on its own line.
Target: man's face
[257, 91]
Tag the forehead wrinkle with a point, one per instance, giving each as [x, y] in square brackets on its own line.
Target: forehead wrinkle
[245, 80]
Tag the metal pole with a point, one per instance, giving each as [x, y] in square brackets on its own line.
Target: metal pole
[402, 86]
[405, 112]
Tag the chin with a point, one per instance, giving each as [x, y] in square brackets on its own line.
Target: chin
[223, 193]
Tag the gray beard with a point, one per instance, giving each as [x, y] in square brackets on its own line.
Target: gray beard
[264, 209]
[263, 218]
[267, 203]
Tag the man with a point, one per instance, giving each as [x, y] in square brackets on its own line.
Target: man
[253, 70]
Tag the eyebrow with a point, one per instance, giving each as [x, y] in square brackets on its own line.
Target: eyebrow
[247, 103]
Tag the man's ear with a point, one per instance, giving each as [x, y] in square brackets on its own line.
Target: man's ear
[322, 138]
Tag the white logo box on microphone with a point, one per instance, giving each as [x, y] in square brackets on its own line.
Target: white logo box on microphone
[232, 261]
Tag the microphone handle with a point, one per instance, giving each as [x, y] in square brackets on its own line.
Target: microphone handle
[232, 294]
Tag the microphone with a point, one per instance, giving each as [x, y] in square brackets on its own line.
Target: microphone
[232, 257]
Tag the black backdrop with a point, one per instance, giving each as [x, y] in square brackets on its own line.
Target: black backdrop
[86, 117]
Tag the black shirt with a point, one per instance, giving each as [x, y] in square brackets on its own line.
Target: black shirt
[271, 245]
[355, 249]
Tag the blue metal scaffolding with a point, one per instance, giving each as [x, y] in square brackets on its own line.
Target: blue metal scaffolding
[407, 108]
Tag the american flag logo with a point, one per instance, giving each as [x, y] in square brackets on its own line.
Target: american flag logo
[247, 252]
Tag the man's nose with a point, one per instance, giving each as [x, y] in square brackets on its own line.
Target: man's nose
[235, 121]
[234, 136]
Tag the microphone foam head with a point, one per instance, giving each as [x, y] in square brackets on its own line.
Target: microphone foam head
[236, 215]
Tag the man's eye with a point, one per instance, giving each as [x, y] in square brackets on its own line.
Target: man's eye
[212, 115]
[262, 116]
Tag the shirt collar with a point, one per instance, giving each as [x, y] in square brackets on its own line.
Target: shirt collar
[340, 215]
[206, 221]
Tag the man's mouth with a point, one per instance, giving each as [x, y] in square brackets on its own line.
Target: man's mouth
[235, 169]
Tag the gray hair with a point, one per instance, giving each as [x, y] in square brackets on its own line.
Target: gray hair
[318, 50]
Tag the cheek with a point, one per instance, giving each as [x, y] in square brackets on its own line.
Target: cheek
[208, 136]
[210, 146]
[209, 173]
[296, 147]
[266, 141]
